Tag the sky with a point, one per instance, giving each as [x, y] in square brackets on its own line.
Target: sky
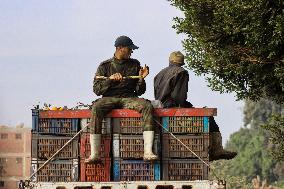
[50, 50]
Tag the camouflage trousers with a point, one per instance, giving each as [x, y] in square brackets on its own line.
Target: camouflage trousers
[104, 105]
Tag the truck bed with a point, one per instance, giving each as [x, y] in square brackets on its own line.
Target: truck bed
[202, 184]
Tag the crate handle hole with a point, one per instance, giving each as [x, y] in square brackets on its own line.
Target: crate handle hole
[186, 187]
[142, 187]
[106, 187]
[164, 187]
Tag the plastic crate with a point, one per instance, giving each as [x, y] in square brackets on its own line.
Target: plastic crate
[106, 125]
[35, 118]
[132, 146]
[186, 124]
[97, 172]
[58, 126]
[184, 169]
[131, 125]
[172, 148]
[55, 171]
[44, 146]
[85, 147]
[136, 170]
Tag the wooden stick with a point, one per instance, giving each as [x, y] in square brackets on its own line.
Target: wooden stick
[126, 77]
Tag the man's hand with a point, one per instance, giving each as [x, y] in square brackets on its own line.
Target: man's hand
[143, 72]
[116, 77]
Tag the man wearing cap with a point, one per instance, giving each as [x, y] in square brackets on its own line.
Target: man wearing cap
[118, 90]
[171, 87]
[170, 84]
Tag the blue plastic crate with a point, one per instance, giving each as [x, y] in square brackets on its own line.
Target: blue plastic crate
[57, 126]
[136, 170]
[35, 116]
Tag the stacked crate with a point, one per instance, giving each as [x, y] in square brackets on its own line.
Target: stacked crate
[122, 146]
[128, 150]
[48, 136]
[101, 170]
[178, 163]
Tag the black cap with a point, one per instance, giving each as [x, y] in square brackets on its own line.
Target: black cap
[125, 41]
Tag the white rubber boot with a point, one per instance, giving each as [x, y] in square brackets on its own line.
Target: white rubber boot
[148, 137]
[95, 142]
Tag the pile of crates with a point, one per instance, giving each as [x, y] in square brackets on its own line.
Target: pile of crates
[180, 135]
[101, 170]
[122, 148]
[128, 150]
[48, 136]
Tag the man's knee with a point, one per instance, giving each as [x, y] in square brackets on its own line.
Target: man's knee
[102, 105]
[95, 108]
[146, 104]
[138, 104]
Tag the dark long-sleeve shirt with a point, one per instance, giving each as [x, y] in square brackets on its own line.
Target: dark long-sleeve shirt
[126, 87]
[171, 83]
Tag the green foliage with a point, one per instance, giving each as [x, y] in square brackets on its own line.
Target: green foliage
[254, 147]
[258, 113]
[238, 45]
[280, 184]
[253, 159]
[276, 128]
[232, 181]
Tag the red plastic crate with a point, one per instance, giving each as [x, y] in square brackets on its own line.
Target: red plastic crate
[44, 146]
[160, 112]
[132, 146]
[85, 147]
[97, 172]
[184, 169]
[172, 148]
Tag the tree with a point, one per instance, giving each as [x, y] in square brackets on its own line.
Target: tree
[276, 128]
[267, 115]
[253, 146]
[238, 45]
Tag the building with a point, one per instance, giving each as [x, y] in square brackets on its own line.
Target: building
[15, 155]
